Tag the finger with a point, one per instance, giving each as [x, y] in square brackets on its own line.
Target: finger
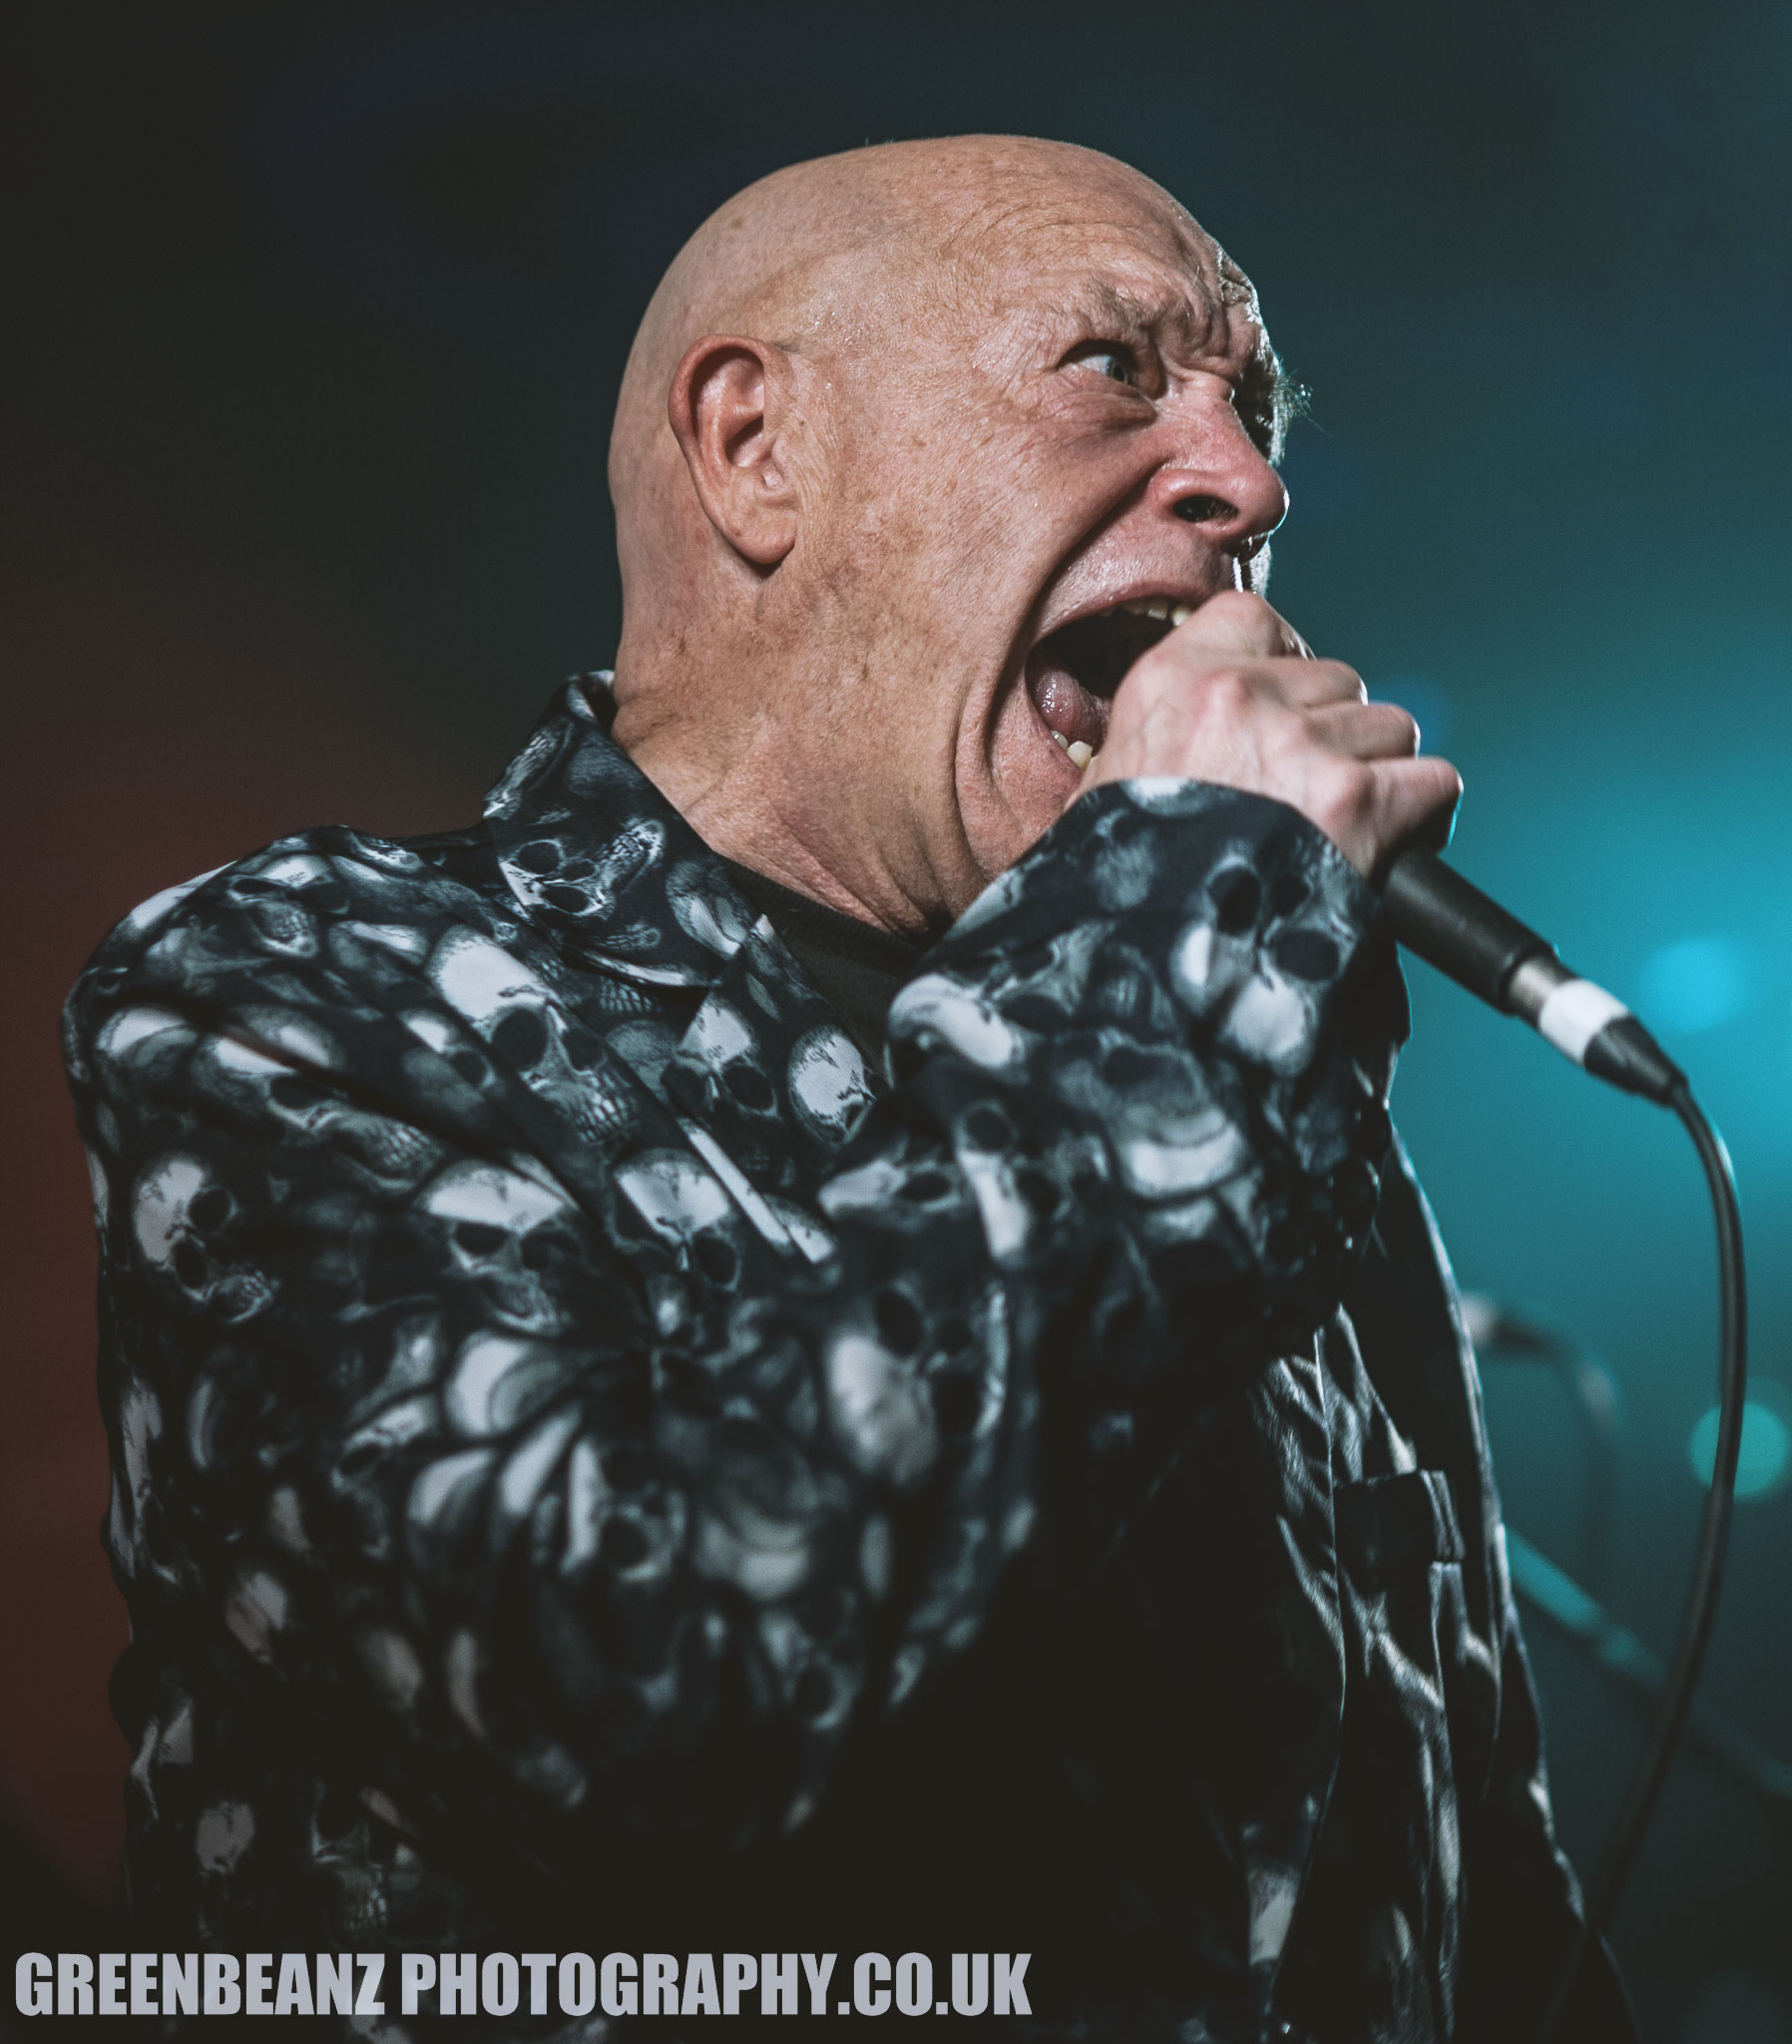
[1288, 683]
[1366, 730]
[1309, 684]
[1368, 809]
[1234, 624]
[1175, 664]
[1414, 802]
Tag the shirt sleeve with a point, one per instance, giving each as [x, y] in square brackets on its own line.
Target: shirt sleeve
[552, 1515]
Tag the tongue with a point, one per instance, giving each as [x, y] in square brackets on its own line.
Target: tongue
[1065, 705]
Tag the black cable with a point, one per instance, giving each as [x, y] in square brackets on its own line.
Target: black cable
[1554, 1596]
[1708, 1575]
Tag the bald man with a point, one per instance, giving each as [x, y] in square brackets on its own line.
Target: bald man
[810, 1344]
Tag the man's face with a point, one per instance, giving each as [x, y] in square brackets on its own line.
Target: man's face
[1069, 424]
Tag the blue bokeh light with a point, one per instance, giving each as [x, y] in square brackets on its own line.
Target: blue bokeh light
[1766, 1449]
[1425, 700]
[1695, 985]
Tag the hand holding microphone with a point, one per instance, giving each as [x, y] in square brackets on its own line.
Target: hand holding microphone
[1235, 695]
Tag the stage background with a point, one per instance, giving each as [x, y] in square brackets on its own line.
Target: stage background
[314, 319]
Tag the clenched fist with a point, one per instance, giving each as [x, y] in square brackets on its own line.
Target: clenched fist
[1235, 696]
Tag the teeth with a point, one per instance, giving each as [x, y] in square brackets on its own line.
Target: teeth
[1063, 743]
[1160, 608]
[1079, 754]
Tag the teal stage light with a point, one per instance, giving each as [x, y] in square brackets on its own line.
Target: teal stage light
[1694, 985]
[1766, 1447]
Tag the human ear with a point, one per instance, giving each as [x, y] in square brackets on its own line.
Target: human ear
[728, 406]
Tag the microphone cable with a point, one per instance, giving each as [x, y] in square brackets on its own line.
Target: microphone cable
[1441, 918]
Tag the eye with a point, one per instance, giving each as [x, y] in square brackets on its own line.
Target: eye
[1108, 358]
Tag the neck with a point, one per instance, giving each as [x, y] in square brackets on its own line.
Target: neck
[733, 781]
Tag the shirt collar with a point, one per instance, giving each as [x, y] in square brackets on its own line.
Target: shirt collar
[599, 860]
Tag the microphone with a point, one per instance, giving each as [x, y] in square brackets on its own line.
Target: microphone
[1436, 914]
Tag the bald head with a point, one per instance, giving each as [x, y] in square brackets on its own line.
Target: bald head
[823, 256]
[876, 407]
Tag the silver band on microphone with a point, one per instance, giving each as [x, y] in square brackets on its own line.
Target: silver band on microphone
[1563, 1009]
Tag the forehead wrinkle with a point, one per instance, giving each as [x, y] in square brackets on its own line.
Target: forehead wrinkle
[1115, 202]
[1143, 265]
[1052, 204]
[977, 225]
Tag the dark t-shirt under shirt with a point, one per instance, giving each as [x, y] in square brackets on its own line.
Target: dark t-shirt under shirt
[858, 969]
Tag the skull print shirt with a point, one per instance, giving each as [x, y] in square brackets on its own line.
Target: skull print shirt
[597, 1459]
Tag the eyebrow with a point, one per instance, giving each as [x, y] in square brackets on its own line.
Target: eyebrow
[1135, 317]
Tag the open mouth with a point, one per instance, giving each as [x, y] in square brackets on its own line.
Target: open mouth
[1072, 673]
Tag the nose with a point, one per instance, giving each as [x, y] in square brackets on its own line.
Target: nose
[1227, 489]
